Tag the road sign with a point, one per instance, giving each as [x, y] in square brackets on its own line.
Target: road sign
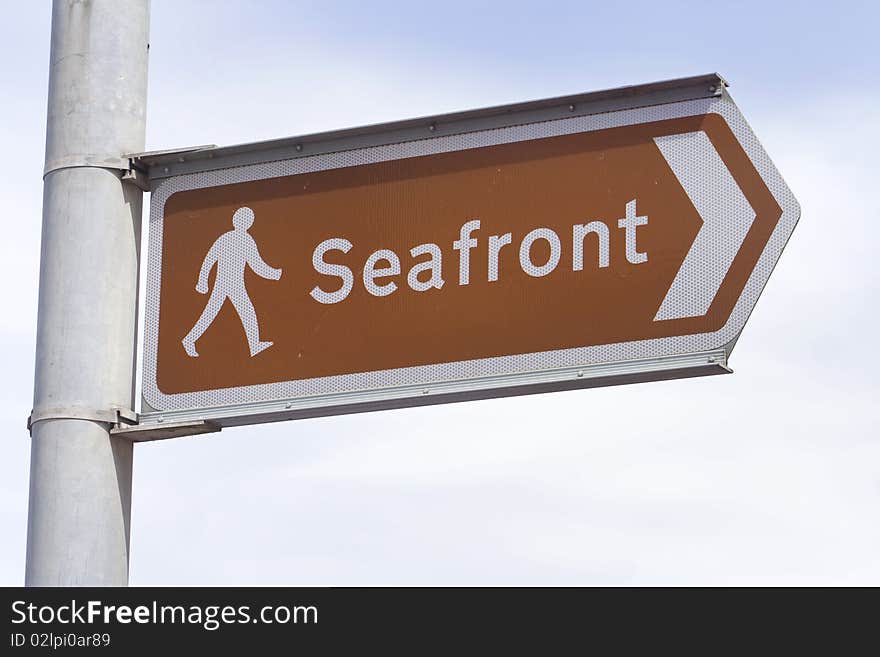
[605, 238]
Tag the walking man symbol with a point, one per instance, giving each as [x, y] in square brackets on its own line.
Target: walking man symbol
[232, 252]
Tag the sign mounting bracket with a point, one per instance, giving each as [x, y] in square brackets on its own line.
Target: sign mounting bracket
[163, 430]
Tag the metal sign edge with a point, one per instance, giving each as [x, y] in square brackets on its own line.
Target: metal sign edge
[399, 396]
[196, 159]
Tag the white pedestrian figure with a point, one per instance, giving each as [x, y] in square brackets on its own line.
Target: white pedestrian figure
[231, 252]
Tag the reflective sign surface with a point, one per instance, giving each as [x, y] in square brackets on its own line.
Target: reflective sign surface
[579, 242]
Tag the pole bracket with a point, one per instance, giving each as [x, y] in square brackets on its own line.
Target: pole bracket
[124, 423]
[136, 176]
[126, 166]
[116, 163]
[140, 433]
[117, 417]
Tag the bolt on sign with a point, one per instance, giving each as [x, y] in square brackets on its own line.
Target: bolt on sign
[606, 238]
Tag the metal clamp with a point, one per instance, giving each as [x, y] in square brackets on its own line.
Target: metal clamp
[87, 161]
[137, 177]
[126, 166]
[117, 417]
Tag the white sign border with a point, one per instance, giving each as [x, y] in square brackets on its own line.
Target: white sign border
[392, 380]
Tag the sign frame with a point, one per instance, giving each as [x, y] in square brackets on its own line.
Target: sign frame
[668, 99]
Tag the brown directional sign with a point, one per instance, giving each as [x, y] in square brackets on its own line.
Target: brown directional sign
[494, 255]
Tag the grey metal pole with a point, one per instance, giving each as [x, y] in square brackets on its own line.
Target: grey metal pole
[80, 487]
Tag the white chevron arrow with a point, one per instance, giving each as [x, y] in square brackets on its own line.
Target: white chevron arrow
[727, 217]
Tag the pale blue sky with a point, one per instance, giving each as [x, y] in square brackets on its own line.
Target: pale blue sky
[770, 475]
